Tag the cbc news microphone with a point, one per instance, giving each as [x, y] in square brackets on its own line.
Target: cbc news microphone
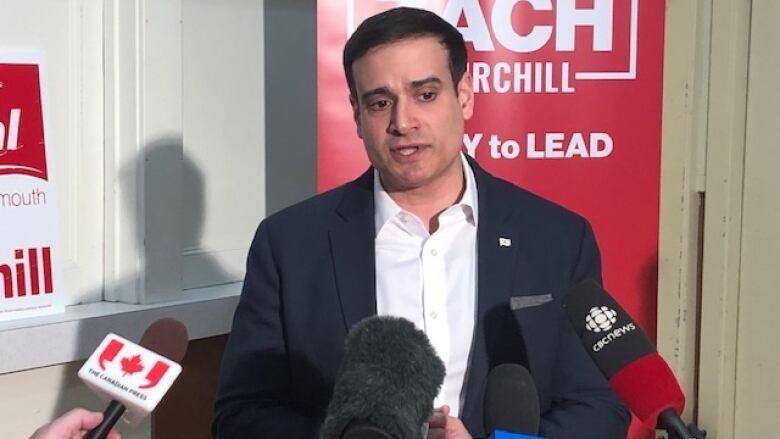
[133, 378]
[511, 404]
[627, 358]
[386, 384]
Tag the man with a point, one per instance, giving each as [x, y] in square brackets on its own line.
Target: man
[426, 234]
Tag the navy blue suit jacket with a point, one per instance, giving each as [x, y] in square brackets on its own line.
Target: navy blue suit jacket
[310, 277]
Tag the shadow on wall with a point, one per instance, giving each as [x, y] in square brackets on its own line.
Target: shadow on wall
[168, 224]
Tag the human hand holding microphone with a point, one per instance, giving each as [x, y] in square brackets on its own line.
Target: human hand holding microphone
[443, 426]
[131, 378]
[75, 423]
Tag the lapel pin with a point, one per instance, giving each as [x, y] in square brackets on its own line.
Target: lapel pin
[504, 242]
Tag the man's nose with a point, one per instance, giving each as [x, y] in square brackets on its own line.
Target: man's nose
[404, 118]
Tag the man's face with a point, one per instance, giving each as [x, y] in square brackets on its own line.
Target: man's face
[409, 114]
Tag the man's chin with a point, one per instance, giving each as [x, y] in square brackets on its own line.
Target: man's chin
[403, 180]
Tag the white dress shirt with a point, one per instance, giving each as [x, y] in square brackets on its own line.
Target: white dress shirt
[430, 279]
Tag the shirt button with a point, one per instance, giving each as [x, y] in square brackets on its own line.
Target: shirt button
[434, 315]
[434, 252]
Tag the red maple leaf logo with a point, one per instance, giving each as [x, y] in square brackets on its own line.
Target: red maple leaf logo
[131, 365]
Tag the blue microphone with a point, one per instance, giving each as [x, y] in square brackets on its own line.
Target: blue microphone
[511, 405]
[500, 434]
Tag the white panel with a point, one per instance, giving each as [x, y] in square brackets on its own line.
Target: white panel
[123, 224]
[143, 150]
[69, 33]
[758, 356]
[224, 151]
[722, 227]
[160, 147]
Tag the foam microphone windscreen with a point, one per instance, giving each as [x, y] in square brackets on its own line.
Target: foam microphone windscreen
[364, 430]
[167, 337]
[511, 402]
[387, 380]
[623, 353]
[648, 386]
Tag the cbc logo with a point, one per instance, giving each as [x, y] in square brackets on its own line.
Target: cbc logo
[600, 318]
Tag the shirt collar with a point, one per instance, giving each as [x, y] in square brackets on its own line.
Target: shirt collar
[386, 208]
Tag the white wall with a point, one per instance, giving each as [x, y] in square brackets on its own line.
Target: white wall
[757, 397]
[156, 138]
[157, 127]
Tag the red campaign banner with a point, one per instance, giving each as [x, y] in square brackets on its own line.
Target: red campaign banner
[567, 105]
[568, 100]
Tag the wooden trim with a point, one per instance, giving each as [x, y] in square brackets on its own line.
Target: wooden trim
[686, 67]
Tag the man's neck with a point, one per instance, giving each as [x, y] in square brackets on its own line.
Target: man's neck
[429, 201]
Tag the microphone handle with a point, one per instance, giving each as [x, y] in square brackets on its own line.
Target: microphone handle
[112, 414]
[671, 422]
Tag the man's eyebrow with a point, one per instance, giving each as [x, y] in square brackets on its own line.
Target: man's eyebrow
[374, 92]
[383, 90]
[427, 81]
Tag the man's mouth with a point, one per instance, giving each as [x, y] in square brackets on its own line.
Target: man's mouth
[406, 150]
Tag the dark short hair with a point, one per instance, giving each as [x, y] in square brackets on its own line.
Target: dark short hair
[399, 24]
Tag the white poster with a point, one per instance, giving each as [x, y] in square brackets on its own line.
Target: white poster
[30, 275]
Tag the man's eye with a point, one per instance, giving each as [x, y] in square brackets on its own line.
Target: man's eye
[379, 104]
[427, 96]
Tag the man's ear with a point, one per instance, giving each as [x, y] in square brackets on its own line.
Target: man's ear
[355, 113]
[466, 95]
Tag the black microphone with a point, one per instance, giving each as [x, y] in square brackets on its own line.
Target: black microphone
[628, 359]
[386, 384]
[511, 404]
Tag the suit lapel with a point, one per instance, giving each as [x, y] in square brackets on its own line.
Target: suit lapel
[497, 252]
[352, 251]
[505, 268]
